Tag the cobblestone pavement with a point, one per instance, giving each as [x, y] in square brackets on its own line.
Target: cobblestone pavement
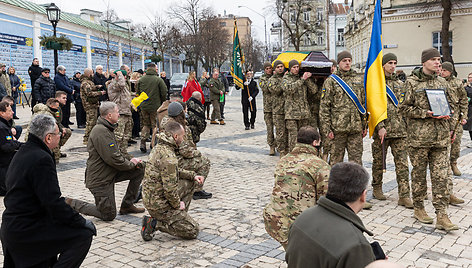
[232, 229]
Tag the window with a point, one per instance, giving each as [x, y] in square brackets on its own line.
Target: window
[437, 41]
[293, 17]
[320, 39]
[340, 41]
[319, 12]
[306, 15]
[306, 41]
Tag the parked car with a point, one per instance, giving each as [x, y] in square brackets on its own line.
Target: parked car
[177, 82]
[257, 75]
[229, 77]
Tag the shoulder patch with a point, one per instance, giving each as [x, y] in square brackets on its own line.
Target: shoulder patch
[9, 138]
[323, 92]
[111, 144]
[402, 97]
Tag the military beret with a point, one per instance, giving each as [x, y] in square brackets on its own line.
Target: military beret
[448, 66]
[267, 64]
[428, 54]
[292, 63]
[343, 54]
[277, 62]
[174, 109]
[388, 57]
[122, 71]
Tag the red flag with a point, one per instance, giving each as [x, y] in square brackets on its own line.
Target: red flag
[189, 88]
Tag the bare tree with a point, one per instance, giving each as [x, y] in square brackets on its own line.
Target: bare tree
[446, 20]
[108, 18]
[254, 51]
[214, 43]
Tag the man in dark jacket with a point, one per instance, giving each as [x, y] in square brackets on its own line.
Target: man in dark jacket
[331, 234]
[8, 143]
[107, 166]
[63, 84]
[44, 87]
[99, 79]
[79, 108]
[167, 82]
[34, 72]
[248, 100]
[156, 90]
[37, 224]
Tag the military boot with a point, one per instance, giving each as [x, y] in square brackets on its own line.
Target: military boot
[148, 227]
[454, 200]
[421, 215]
[272, 150]
[222, 122]
[213, 122]
[455, 170]
[377, 193]
[406, 202]
[367, 205]
[444, 223]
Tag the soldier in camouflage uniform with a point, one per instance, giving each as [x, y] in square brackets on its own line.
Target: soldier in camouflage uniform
[168, 189]
[196, 116]
[278, 103]
[295, 90]
[89, 94]
[428, 139]
[457, 97]
[327, 143]
[267, 99]
[392, 132]
[340, 119]
[301, 177]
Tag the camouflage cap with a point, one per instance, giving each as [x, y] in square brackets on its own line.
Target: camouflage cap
[388, 57]
[448, 66]
[428, 54]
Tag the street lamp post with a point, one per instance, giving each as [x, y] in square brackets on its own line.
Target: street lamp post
[54, 15]
[154, 46]
[265, 29]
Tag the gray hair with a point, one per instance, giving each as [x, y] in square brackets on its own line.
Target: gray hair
[60, 68]
[98, 66]
[197, 95]
[41, 125]
[347, 181]
[107, 107]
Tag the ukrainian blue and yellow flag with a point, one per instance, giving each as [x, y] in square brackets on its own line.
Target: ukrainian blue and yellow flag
[238, 59]
[374, 79]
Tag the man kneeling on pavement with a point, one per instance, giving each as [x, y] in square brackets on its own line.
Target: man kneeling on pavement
[168, 189]
[106, 166]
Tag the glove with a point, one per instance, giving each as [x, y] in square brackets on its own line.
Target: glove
[250, 98]
[89, 225]
[246, 83]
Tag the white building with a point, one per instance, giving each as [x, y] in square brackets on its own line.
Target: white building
[337, 23]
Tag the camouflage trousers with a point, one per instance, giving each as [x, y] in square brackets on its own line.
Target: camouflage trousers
[314, 120]
[148, 122]
[269, 120]
[456, 146]
[352, 142]
[400, 157]
[280, 134]
[91, 112]
[293, 126]
[327, 145]
[200, 165]
[450, 184]
[123, 134]
[62, 141]
[178, 222]
[438, 161]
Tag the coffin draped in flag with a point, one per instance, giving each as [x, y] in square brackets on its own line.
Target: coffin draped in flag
[238, 59]
[374, 79]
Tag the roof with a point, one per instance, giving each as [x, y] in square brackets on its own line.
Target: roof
[72, 18]
[338, 9]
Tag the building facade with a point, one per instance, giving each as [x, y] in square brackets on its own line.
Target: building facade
[336, 24]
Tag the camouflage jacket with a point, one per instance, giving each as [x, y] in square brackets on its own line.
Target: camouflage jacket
[267, 97]
[295, 95]
[196, 118]
[395, 124]
[457, 98]
[119, 93]
[276, 91]
[301, 178]
[423, 131]
[216, 88]
[187, 148]
[337, 111]
[161, 176]
[89, 93]
[313, 98]
[5, 80]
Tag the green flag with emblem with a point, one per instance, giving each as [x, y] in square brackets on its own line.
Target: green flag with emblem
[238, 59]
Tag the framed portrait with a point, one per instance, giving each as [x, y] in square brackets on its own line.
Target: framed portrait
[438, 102]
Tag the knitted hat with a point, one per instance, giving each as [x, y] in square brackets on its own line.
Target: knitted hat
[429, 54]
[388, 57]
[292, 63]
[277, 62]
[174, 109]
[448, 66]
[335, 63]
[343, 54]
[267, 64]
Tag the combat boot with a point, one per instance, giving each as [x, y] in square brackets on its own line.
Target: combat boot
[377, 193]
[421, 215]
[272, 150]
[148, 227]
[454, 200]
[367, 205]
[222, 122]
[444, 223]
[406, 202]
[213, 122]
[142, 147]
[455, 170]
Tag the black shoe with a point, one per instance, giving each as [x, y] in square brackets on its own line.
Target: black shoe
[63, 155]
[143, 148]
[132, 142]
[15, 117]
[201, 195]
[246, 128]
[148, 140]
[81, 126]
[252, 126]
[71, 123]
[148, 227]
[70, 129]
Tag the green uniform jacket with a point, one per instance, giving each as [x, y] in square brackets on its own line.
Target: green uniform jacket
[457, 98]
[423, 131]
[105, 159]
[337, 111]
[328, 235]
[266, 96]
[295, 95]
[89, 93]
[216, 88]
[276, 90]
[395, 124]
[154, 87]
[161, 176]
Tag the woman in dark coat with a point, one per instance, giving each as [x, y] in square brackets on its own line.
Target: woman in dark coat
[79, 108]
[15, 85]
[468, 125]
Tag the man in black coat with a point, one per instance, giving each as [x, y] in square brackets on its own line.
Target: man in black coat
[63, 84]
[44, 87]
[37, 224]
[248, 100]
[8, 143]
[34, 72]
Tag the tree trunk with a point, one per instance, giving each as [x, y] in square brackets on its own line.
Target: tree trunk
[446, 20]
